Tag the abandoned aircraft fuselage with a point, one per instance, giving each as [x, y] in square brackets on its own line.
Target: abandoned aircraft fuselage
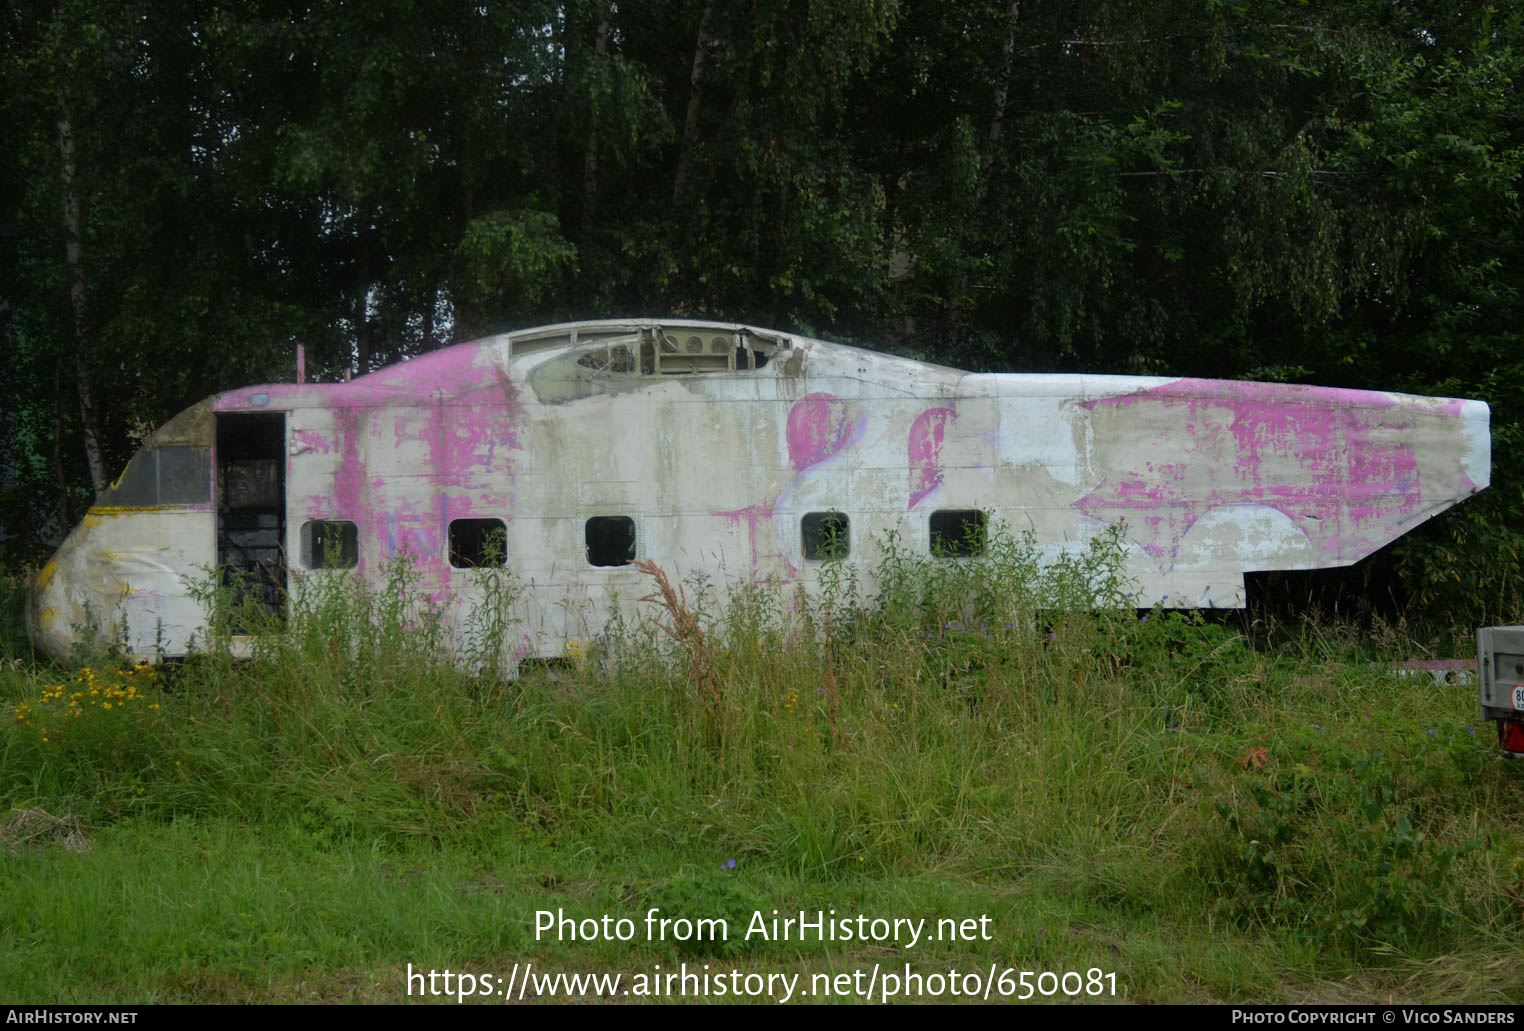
[737, 452]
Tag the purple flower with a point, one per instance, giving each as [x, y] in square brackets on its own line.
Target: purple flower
[730, 864]
[820, 690]
[1471, 731]
[1431, 733]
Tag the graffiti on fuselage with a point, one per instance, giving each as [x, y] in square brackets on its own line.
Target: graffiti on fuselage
[728, 451]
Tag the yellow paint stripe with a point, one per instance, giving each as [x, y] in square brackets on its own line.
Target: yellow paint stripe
[116, 510]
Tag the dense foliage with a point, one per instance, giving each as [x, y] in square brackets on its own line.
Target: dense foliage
[1209, 814]
[1274, 190]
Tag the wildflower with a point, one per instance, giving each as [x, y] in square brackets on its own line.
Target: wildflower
[730, 864]
[1471, 731]
[1254, 758]
[1431, 732]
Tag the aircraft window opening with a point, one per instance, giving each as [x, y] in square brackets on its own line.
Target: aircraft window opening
[185, 475]
[826, 536]
[615, 359]
[478, 543]
[959, 533]
[610, 540]
[330, 544]
[686, 353]
[164, 476]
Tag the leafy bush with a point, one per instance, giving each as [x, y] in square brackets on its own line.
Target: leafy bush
[1338, 854]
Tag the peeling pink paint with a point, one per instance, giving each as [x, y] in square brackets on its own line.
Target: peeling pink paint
[311, 440]
[1213, 478]
[752, 514]
[452, 373]
[819, 426]
[1357, 473]
[924, 452]
[457, 400]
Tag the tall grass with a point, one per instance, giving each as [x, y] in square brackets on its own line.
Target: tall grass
[998, 721]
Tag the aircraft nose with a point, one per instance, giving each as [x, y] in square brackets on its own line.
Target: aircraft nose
[47, 619]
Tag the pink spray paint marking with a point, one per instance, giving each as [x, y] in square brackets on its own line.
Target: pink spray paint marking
[1352, 484]
[819, 427]
[311, 440]
[751, 514]
[924, 452]
[468, 413]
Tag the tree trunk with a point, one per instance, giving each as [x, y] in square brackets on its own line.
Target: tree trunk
[74, 235]
[364, 331]
[590, 160]
[1002, 94]
[952, 315]
[430, 305]
[58, 461]
[695, 101]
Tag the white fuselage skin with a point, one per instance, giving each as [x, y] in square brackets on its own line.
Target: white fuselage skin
[718, 465]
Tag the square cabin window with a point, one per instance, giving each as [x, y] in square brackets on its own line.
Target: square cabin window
[958, 533]
[825, 536]
[475, 543]
[185, 475]
[330, 544]
[610, 540]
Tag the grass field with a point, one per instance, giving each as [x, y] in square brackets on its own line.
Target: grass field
[1210, 811]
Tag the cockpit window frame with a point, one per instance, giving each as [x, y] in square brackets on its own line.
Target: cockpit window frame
[143, 482]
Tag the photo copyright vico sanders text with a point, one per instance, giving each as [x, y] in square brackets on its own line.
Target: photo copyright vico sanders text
[1382, 1015]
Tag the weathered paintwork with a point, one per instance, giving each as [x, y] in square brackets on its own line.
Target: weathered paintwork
[549, 427]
